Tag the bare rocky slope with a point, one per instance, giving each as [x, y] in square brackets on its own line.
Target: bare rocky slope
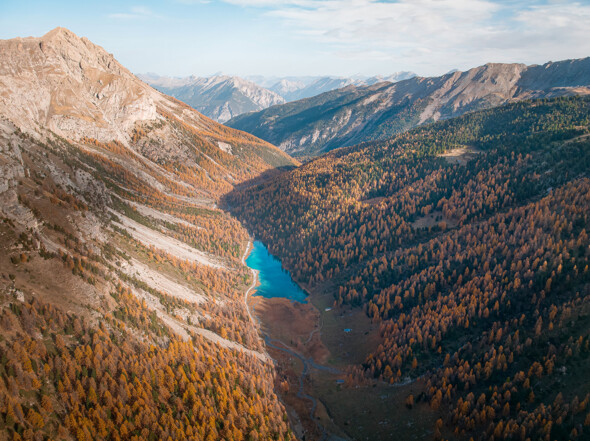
[77, 90]
[219, 97]
[355, 114]
[111, 241]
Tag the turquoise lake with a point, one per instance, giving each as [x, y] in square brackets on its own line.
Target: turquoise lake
[273, 280]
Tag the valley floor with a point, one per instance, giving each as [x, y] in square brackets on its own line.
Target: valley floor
[313, 353]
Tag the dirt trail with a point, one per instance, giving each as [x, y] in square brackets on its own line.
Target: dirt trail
[254, 282]
[307, 365]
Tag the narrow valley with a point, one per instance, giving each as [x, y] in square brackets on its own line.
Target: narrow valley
[312, 377]
[447, 268]
[420, 271]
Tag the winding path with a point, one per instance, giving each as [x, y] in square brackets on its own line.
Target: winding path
[300, 392]
[307, 363]
[253, 286]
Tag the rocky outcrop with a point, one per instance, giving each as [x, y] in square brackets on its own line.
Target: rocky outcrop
[67, 85]
[355, 114]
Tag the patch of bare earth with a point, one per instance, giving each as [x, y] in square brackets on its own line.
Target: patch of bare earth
[160, 282]
[178, 249]
[433, 219]
[160, 215]
[372, 201]
[298, 327]
[460, 155]
[295, 324]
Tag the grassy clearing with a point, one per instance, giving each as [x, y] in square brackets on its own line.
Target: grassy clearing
[375, 412]
[345, 347]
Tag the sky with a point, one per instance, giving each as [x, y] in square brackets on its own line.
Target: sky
[313, 37]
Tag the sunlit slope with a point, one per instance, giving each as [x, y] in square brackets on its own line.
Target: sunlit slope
[122, 309]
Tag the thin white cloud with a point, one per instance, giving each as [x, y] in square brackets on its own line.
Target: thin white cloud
[135, 13]
[193, 2]
[445, 33]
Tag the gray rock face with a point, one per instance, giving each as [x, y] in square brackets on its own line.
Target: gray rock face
[63, 84]
[218, 97]
[11, 171]
[356, 114]
[71, 86]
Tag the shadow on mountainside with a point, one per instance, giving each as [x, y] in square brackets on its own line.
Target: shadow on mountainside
[262, 178]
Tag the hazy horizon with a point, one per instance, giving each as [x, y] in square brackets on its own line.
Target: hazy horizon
[339, 38]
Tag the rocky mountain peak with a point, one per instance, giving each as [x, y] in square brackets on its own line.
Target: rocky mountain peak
[71, 86]
[79, 50]
[58, 33]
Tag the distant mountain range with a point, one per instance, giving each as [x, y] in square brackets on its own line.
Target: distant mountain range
[296, 88]
[223, 97]
[219, 97]
[355, 114]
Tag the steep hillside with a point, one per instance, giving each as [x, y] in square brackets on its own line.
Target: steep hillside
[356, 114]
[122, 310]
[466, 241]
[218, 97]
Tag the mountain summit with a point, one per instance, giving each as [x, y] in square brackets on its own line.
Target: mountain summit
[112, 246]
[72, 86]
[355, 114]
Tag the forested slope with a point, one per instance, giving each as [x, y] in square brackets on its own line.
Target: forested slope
[467, 241]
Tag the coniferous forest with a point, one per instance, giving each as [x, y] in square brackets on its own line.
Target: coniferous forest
[442, 273]
[466, 240]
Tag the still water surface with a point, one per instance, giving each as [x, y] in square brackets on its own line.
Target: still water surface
[274, 281]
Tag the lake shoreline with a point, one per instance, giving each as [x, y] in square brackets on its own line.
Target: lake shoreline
[289, 323]
[273, 280]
